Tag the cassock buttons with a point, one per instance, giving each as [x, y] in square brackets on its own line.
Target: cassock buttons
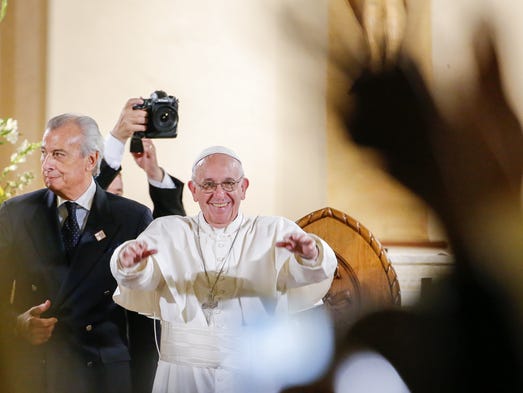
[88, 328]
[34, 288]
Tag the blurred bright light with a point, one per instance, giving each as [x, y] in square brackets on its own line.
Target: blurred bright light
[368, 372]
[286, 351]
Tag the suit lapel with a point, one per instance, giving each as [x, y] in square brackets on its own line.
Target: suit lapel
[44, 227]
[96, 238]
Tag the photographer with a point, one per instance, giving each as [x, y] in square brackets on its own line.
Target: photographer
[166, 194]
[165, 190]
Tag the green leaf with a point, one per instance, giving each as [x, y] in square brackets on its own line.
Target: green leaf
[3, 9]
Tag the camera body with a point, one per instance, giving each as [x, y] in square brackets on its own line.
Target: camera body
[162, 119]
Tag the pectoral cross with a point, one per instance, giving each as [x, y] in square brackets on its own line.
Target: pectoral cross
[208, 306]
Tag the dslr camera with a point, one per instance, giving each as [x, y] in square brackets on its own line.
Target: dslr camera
[162, 122]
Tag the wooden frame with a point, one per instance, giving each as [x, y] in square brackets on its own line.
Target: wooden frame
[365, 279]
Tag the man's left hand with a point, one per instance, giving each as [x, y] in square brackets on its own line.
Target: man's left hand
[148, 160]
[300, 244]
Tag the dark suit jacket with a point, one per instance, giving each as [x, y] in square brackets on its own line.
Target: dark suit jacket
[88, 351]
[166, 201]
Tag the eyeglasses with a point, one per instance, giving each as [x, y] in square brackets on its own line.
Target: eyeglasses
[227, 186]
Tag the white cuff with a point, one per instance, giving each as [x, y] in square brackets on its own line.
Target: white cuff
[113, 151]
[166, 182]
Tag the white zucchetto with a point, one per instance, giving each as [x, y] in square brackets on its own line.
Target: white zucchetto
[215, 150]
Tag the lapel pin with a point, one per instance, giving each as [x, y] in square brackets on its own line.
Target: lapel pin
[100, 235]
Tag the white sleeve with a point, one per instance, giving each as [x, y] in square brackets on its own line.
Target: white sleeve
[113, 151]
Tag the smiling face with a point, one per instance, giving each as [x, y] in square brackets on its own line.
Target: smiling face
[65, 170]
[219, 207]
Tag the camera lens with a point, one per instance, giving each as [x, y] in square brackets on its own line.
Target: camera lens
[165, 118]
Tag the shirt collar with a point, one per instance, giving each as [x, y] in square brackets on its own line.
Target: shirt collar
[231, 228]
[86, 199]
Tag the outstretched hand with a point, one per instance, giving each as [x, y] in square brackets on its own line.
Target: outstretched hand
[33, 327]
[300, 244]
[134, 252]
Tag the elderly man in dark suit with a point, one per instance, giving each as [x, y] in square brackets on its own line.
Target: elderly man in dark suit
[56, 288]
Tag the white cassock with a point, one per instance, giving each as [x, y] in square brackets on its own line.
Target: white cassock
[206, 283]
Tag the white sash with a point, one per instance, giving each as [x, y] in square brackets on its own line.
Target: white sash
[199, 347]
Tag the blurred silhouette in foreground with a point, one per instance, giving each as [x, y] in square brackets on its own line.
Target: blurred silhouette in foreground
[465, 336]
[383, 23]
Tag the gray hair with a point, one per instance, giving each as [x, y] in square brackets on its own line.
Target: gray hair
[92, 138]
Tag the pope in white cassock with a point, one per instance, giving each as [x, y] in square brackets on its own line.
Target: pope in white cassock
[205, 277]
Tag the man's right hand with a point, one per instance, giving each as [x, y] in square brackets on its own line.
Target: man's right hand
[130, 121]
[32, 327]
[133, 253]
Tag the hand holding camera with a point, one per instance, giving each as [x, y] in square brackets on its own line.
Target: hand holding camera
[130, 121]
[162, 119]
[148, 160]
